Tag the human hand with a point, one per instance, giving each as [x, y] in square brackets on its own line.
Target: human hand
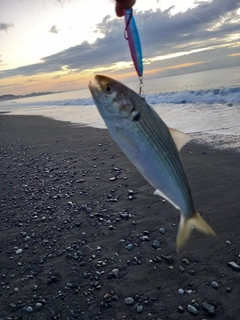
[121, 5]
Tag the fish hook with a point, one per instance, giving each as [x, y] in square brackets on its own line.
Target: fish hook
[140, 85]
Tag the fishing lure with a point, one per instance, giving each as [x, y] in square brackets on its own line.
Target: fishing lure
[131, 34]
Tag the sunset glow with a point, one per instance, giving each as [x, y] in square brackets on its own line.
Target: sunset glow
[58, 46]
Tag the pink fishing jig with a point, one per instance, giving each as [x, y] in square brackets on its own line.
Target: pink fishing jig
[131, 34]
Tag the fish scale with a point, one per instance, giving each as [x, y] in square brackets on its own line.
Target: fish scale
[174, 164]
[155, 136]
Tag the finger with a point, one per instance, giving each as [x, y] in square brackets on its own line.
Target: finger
[123, 4]
[119, 10]
[126, 4]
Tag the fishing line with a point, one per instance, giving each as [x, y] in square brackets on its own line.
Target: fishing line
[127, 24]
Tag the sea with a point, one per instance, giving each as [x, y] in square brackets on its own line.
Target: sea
[205, 104]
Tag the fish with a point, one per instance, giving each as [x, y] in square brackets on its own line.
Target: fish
[151, 146]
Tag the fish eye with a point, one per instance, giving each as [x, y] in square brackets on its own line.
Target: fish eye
[108, 89]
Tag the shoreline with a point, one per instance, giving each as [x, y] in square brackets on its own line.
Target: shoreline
[67, 221]
[212, 138]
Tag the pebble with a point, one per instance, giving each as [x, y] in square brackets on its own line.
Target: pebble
[144, 238]
[38, 305]
[139, 308]
[189, 291]
[228, 242]
[156, 244]
[115, 272]
[157, 259]
[180, 309]
[181, 268]
[234, 265]
[215, 285]
[162, 230]
[208, 308]
[185, 261]
[136, 261]
[29, 309]
[129, 246]
[34, 287]
[168, 259]
[191, 271]
[107, 296]
[124, 215]
[192, 309]
[181, 291]
[18, 251]
[129, 301]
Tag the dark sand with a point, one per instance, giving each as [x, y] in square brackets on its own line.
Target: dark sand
[72, 223]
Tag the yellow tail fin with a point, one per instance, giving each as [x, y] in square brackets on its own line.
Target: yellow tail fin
[186, 225]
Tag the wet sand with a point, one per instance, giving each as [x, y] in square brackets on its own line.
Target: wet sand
[73, 245]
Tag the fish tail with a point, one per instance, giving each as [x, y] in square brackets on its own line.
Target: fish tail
[186, 225]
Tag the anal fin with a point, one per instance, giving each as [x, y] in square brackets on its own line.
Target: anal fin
[161, 194]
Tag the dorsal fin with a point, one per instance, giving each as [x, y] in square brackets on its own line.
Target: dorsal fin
[180, 138]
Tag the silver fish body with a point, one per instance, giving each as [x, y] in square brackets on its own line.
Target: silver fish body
[151, 146]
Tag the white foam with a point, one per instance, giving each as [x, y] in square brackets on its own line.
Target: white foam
[189, 118]
[211, 96]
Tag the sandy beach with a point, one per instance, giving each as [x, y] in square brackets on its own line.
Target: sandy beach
[83, 237]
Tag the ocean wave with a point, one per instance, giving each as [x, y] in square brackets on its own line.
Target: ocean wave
[63, 103]
[211, 96]
[48, 103]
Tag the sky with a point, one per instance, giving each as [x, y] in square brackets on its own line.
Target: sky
[59, 45]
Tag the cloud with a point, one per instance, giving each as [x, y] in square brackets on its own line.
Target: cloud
[56, 77]
[32, 80]
[234, 54]
[54, 29]
[211, 25]
[5, 26]
[11, 85]
[2, 63]
[207, 24]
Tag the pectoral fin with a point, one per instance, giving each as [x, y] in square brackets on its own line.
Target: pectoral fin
[180, 138]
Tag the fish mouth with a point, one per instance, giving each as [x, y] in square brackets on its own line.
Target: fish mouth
[92, 88]
[97, 85]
